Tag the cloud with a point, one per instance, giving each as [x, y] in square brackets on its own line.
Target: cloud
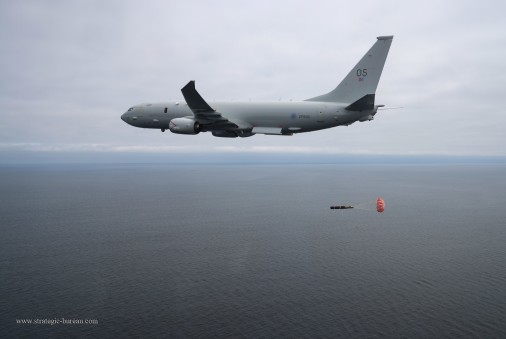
[70, 69]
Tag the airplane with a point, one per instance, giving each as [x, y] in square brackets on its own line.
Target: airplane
[352, 100]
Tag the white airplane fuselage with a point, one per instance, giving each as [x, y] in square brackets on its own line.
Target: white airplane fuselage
[287, 117]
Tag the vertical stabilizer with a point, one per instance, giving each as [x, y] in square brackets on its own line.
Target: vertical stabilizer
[363, 79]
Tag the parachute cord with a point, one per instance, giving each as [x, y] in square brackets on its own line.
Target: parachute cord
[360, 206]
[364, 209]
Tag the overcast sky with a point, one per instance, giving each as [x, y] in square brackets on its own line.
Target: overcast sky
[69, 69]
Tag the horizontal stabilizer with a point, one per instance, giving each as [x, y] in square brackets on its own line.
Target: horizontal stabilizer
[365, 103]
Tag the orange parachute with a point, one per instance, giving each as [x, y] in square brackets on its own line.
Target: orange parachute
[380, 205]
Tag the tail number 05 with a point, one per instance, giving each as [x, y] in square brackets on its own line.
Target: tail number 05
[362, 72]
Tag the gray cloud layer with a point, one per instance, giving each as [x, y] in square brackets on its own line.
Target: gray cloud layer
[69, 69]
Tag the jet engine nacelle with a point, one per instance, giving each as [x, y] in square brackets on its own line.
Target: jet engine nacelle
[184, 126]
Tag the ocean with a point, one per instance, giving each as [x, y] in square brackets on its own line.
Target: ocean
[253, 251]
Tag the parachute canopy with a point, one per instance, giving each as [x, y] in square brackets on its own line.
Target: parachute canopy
[380, 205]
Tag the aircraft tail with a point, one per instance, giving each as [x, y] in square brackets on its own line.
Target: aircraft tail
[359, 87]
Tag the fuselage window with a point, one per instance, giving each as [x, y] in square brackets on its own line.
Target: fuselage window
[165, 110]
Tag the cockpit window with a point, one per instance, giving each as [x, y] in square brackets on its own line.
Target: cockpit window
[131, 109]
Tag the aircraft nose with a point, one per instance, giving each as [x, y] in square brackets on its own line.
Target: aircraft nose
[124, 117]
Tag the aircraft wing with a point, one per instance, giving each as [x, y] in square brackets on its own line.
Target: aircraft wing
[206, 116]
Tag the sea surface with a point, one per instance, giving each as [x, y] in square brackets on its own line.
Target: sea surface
[253, 251]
